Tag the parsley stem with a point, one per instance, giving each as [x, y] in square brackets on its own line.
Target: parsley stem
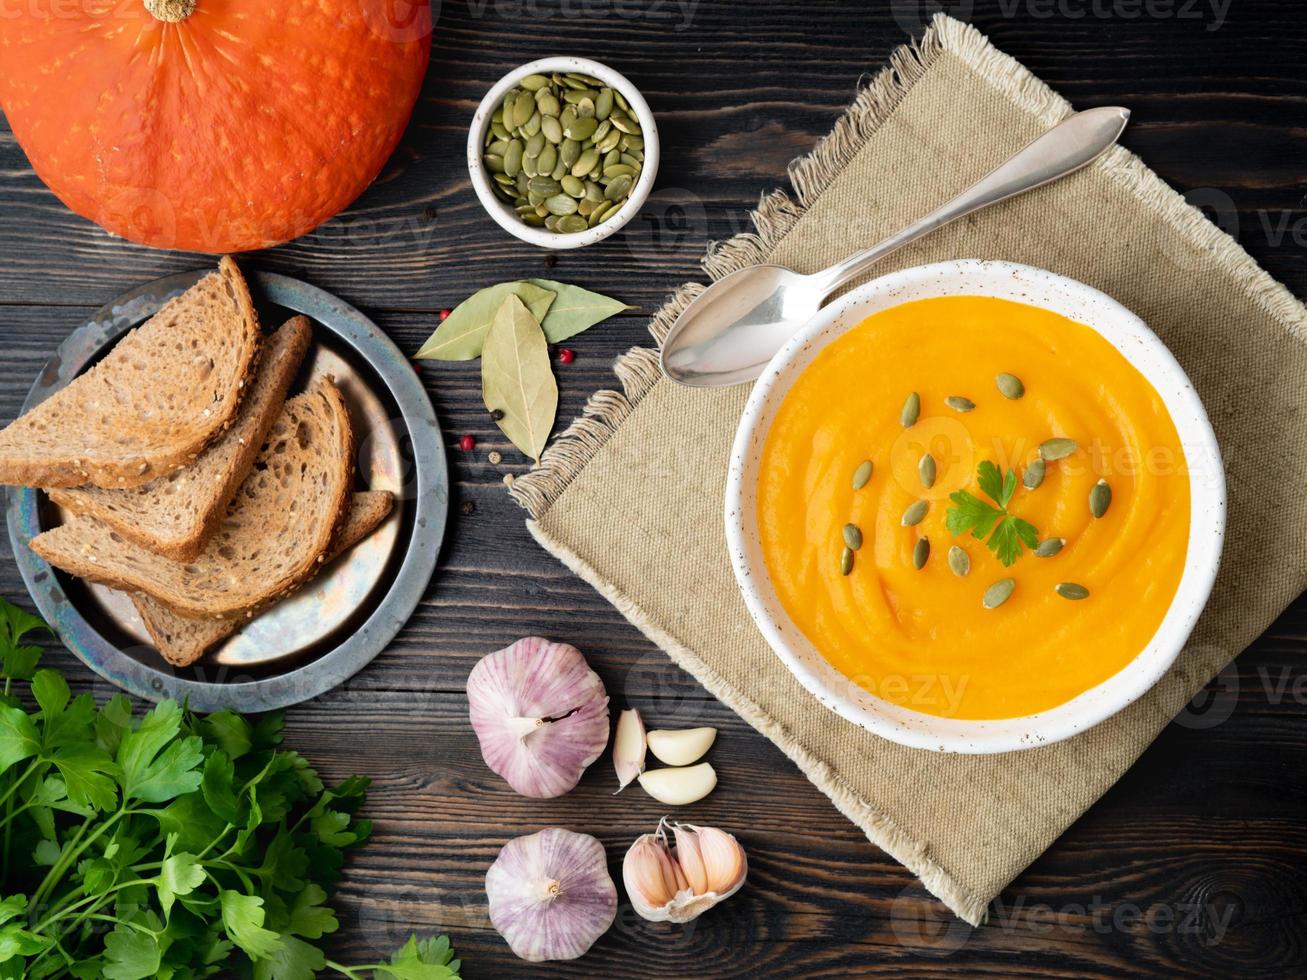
[72, 851]
[20, 780]
[60, 911]
[10, 813]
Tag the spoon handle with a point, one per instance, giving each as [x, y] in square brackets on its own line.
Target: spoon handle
[1074, 143]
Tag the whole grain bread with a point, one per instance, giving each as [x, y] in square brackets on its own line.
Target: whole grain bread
[176, 514]
[165, 391]
[275, 533]
[182, 640]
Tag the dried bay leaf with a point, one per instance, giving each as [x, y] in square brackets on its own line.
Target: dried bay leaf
[517, 379]
[463, 333]
[575, 309]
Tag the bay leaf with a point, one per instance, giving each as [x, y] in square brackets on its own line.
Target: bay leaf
[575, 309]
[517, 379]
[460, 337]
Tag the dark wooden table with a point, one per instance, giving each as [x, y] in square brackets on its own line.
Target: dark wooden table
[1194, 864]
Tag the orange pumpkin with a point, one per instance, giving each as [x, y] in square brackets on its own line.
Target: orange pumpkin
[211, 125]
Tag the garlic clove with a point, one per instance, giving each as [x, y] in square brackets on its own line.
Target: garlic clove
[681, 747]
[679, 786]
[628, 748]
[724, 861]
[690, 860]
[540, 715]
[642, 873]
[550, 894]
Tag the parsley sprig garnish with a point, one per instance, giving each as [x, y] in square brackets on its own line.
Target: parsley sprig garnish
[1006, 532]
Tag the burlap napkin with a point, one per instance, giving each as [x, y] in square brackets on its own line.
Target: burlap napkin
[630, 498]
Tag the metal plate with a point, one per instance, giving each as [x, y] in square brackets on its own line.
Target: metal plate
[337, 623]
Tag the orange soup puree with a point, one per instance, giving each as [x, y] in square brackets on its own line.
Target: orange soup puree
[922, 638]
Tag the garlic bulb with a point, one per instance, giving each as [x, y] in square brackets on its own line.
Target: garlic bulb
[628, 748]
[540, 714]
[677, 883]
[550, 894]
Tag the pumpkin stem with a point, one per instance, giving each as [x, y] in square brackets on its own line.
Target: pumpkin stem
[171, 11]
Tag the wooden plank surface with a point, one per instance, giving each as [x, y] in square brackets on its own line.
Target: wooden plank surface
[1195, 864]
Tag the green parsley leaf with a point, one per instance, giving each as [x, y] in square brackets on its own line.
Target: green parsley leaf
[216, 784]
[88, 776]
[18, 737]
[17, 941]
[230, 731]
[971, 514]
[309, 917]
[1009, 487]
[991, 481]
[242, 917]
[18, 660]
[130, 954]
[181, 874]
[51, 692]
[427, 959]
[11, 907]
[290, 959]
[156, 766]
[1006, 533]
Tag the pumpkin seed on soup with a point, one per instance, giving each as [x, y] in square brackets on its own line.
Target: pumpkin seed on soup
[920, 553]
[862, 474]
[1055, 449]
[846, 561]
[926, 470]
[852, 537]
[1050, 547]
[998, 593]
[1100, 498]
[915, 514]
[1034, 474]
[1071, 590]
[959, 561]
[911, 410]
[1010, 386]
[571, 128]
[959, 404]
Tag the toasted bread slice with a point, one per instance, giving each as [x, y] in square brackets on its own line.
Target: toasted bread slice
[165, 391]
[274, 534]
[176, 514]
[182, 640]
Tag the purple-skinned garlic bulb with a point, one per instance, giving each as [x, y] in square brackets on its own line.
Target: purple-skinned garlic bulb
[550, 894]
[540, 714]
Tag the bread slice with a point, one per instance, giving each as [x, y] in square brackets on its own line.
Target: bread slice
[175, 514]
[182, 640]
[273, 536]
[164, 392]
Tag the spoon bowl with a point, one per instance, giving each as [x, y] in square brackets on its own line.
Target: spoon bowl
[730, 331]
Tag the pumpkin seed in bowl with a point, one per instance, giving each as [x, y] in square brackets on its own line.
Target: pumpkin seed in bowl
[564, 151]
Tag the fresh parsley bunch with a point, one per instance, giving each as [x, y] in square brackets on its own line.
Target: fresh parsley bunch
[168, 844]
[1006, 532]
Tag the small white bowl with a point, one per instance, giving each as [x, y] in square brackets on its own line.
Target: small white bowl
[504, 215]
[1035, 287]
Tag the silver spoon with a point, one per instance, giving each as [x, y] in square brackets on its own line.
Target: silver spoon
[732, 329]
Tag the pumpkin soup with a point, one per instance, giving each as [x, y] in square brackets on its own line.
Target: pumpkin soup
[974, 508]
